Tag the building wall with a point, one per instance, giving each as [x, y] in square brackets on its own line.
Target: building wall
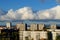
[53, 26]
[8, 24]
[54, 35]
[33, 27]
[20, 35]
[40, 26]
[35, 35]
[43, 35]
[21, 27]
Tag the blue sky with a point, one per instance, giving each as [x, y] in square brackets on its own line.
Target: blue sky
[34, 4]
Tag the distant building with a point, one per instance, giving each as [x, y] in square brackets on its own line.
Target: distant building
[33, 27]
[21, 26]
[53, 26]
[8, 25]
[40, 26]
[54, 34]
[35, 31]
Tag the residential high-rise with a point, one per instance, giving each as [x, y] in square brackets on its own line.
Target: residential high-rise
[21, 26]
[33, 27]
[40, 26]
[8, 25]
[43, 35]
[54, 35]
[53, 26]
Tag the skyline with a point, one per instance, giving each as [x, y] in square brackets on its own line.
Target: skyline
[29, 19]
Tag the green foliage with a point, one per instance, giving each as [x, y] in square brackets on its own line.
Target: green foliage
[12, 35]
[58, 37]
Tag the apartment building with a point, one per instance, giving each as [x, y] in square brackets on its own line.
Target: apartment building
[33, 27]
[37, 32]
[40, 26]
[8, 25]
[21, 26]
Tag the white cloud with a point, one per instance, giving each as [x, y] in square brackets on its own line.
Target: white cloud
[43, 15]
[27, 13]
[52, 13]
[20, 14]
[10, 15]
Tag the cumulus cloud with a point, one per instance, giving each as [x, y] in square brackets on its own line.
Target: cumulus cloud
[10, 15]
[27, 13]
[20, 14]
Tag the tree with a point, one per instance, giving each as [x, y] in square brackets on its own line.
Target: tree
[58, 37]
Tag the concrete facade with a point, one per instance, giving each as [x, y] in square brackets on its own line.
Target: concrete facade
[40, 26]
[21, 26]
[33, 27]
[34, 34]
[8, 25]
[53, 26]
[54, 35]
